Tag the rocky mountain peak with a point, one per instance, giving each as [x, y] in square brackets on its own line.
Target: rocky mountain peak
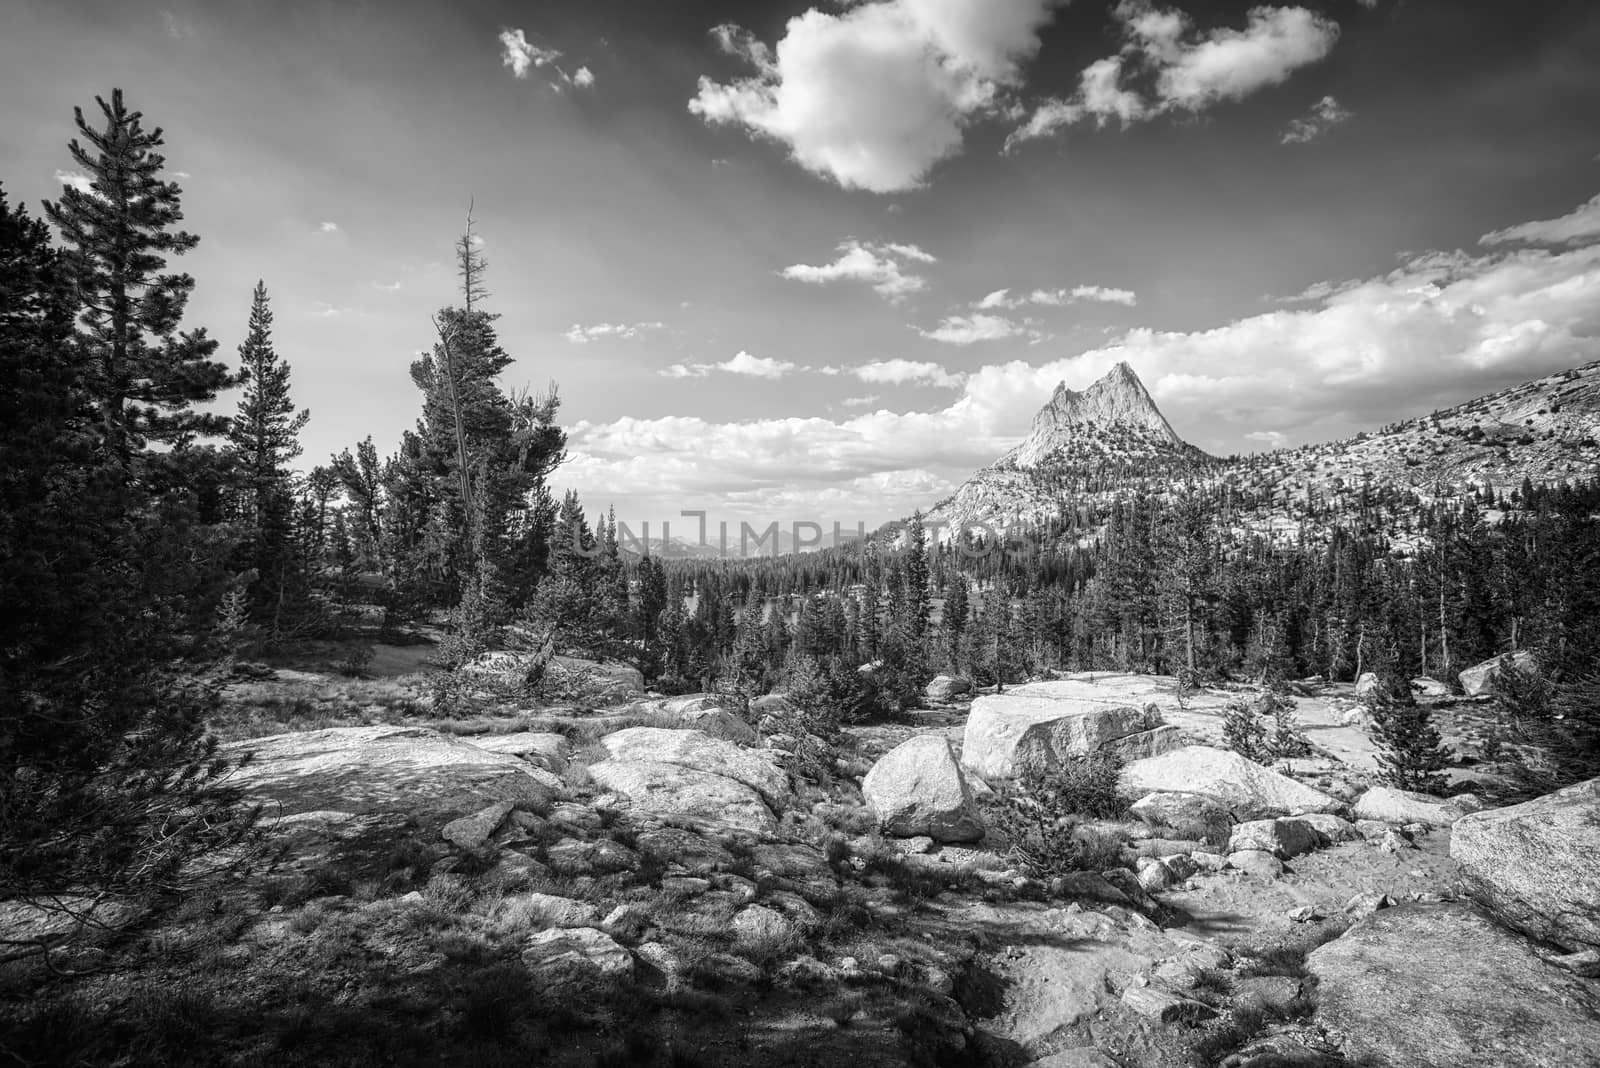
[1115, 403]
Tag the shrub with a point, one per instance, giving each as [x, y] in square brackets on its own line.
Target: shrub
[1243, 732]
[1411, 753]
[1038, 818]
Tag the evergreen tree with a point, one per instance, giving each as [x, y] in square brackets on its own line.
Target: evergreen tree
[914, 578]
[145, 377]
[266, 436]
[954, 615]
[1411, 752]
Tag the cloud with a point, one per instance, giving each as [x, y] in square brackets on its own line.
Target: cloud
[741, 363]
[74, 180]
[860, 402]
[521, 55]
[1323, 116]
[328, 227]
[1439, 329]
[878, 265]
[969, 329]
[1055, 298]
[1274, 439]
[1187, 71]
[579, 334]
[387, 287]
[905, 372]
[1580, 224]
[871, 97]
[176, 28]
[181, 174]
[583, 77]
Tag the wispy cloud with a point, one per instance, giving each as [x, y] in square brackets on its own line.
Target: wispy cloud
[328, 228]
[1055, 298]
[74, 180]
[980, 326]
[523, 56]
[1323, 116]
[579, 334]
[1580, 224]
[881, 265]
[860, 402]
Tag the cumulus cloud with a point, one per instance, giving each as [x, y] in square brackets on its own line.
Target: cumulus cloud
[1055, 298]
[874, 95]
[74, 180]
[741, 363]
[583, 77]
[1440, 328]
[579, 334]
[1187, 70]
[1580, 224]
[879, 265]
[328, 227]
[1323, 116]
[970, 329]
[905, 372]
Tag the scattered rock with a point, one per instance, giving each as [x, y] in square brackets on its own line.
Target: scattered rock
[1537, 864]
[1395, 842]
[1372, 830]
[576, 817]
[1407, 806]
[1440, 986]
[918, 788]
[1478, 680]
[610, 681]
[1283, 838]
[1367, 685]
[946, 687]
[470, 832]
[1089, 886]
[1304, 914]
[602, 857]
[701, 752]
[1256, 862]
[662, 959]
[1164, 847]
[1082, 1057]
[1180, 866]
[558, 957]
[1205, 860]
[1266, 991]
[1154, 876]
[1247, 789]
[720, 723]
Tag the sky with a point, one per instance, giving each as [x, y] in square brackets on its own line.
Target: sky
[818, 262]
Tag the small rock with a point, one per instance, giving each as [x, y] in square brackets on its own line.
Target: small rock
[1256, 862]
[1180, 867]
[664, 960]
[1395, 842]
[556, 957]
[1266, 991]
[1372, 830]
[1363, 905]
[552, 910]
[1585, 962]
[1330, 829]
[1154, 876]
[1207, 861]
[1304, 914]
[581, 817]
[757, 923]
[471, 832]
[626, 921]
[1164, 1005]
[685, 885]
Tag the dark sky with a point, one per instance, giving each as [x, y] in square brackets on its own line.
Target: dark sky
[822, 262]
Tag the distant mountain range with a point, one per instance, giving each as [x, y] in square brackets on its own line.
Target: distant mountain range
[1111, 440]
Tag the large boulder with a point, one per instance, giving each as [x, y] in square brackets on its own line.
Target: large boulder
[699, 751]
[1478, 680]
[946, 687]
[1537, 864]
[675, 790]
[1408, 806]
[1249, 790]
[1367, 685]
[1011, 732]
[918, 788]
[397, 770]
[1440, 986]
[1283, 838]
[593, 680]
[557, 958]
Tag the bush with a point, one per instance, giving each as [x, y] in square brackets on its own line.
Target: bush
[1411, 753]
[1242, 731]
[1038, 818]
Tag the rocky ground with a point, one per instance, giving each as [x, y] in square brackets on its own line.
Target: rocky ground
[629, 879]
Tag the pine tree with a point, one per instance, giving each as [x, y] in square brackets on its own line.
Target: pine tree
[266, 436]
[1411, 752]
[914, 578]
[108, 782]
[145, 376]
[954, 615]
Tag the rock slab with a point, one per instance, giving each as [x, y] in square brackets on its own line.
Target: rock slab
[1537, 864]
[1441, 986]
[1247, 789]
